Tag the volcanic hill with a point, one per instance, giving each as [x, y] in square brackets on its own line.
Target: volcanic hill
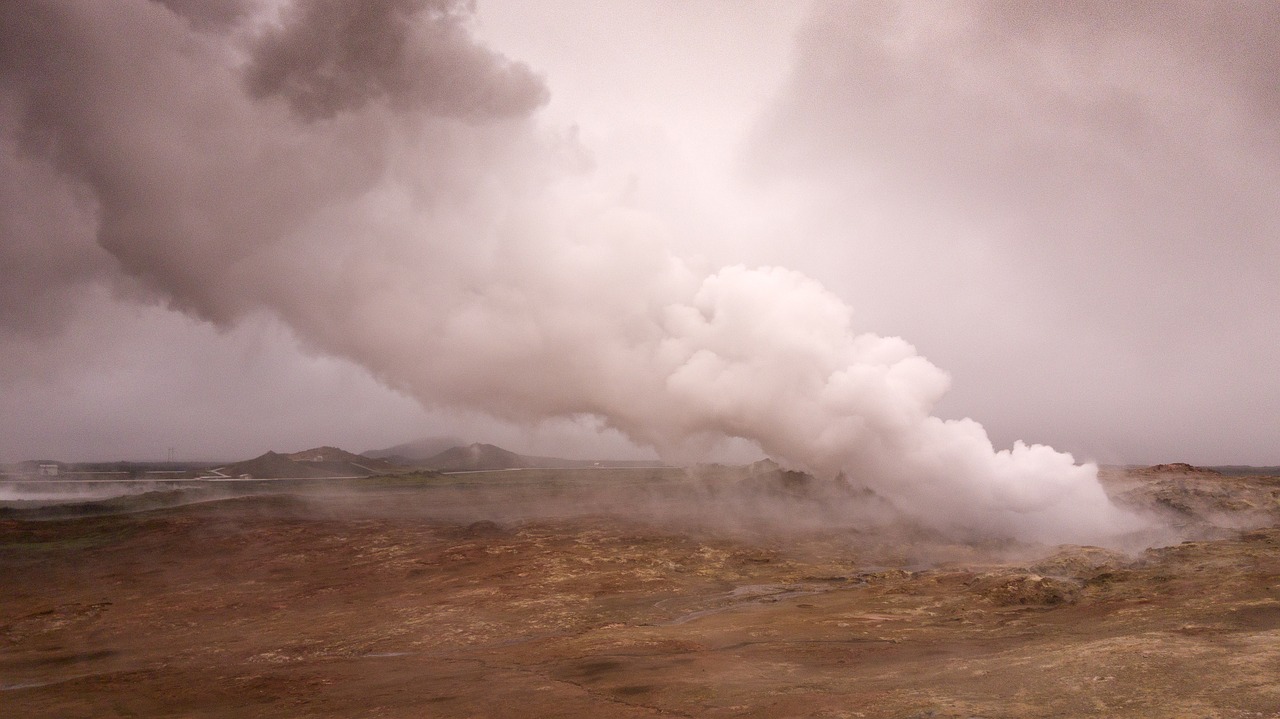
[317, 463]
[415, 451]
[478, 457]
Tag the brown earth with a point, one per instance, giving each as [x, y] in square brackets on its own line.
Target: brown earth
[404, 601]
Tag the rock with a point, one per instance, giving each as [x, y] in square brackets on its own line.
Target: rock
[1006, 590]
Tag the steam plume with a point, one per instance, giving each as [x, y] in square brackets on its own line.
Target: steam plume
[371, 175]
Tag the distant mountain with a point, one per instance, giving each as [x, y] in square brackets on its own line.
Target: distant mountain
[1175, 468]
[475, 457]
[273, 465]
[347, 464]
[324, 454]
[318, 463]
[412, 452]
[1243, 470]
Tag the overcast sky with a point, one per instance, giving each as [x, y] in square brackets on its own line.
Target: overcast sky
[238, 226]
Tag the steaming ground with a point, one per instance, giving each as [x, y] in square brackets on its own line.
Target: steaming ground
[734, 592]
[760, 503]
[398, 204]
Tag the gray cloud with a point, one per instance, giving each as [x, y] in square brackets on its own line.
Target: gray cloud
[209, 14]
[328, 56]
[1069, 205]
[49, 256]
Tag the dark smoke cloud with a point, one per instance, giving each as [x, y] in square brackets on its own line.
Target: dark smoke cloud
[209, 14]
[329, 56]
[152, 120]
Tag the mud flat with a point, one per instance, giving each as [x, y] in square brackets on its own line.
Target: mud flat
[421, 598]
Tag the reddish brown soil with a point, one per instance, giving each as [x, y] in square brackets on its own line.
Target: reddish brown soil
[264, 607]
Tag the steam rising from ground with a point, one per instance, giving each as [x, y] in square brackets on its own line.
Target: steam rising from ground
[371, 175]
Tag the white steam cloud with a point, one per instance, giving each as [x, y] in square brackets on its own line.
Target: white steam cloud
[371, 175]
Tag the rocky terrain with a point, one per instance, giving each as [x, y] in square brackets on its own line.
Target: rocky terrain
[431, 596]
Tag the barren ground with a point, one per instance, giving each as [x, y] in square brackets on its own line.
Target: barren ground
[401, 600]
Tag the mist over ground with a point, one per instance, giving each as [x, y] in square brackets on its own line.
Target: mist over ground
[410, 202]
